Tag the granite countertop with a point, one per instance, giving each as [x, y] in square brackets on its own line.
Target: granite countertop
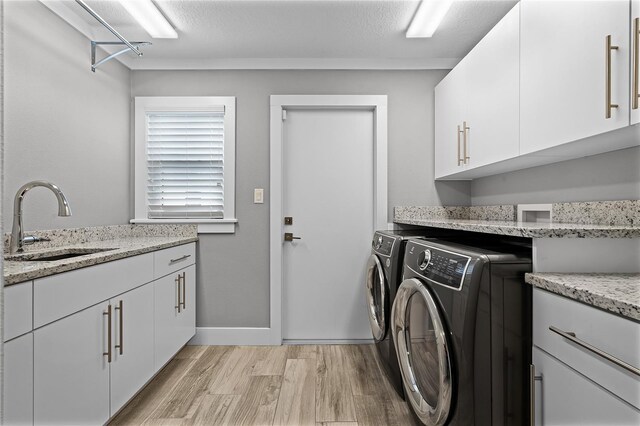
[528, 229]
[126, 241]
[617, 293]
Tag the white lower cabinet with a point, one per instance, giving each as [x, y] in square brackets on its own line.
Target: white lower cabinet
[564, 396]
[71, 374]
[18, 381]
[132, 360]
[174, 313]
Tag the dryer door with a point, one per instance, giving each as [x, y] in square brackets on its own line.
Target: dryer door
[377, 303]
[423, 352]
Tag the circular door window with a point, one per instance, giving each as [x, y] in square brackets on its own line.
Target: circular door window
[423, 352]
[376, 298]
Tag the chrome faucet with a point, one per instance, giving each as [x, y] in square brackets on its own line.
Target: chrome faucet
[17, 240]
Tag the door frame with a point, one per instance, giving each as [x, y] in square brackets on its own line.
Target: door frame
[279, 103]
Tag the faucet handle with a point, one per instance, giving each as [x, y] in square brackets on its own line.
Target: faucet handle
[30, 239]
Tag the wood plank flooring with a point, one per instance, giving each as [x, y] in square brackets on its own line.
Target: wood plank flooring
[329, 385]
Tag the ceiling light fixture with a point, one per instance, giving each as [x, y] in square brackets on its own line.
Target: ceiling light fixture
[428, 17]
[150, 18]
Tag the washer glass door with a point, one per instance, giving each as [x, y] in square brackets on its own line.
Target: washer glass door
[423, 352]
[377, 295]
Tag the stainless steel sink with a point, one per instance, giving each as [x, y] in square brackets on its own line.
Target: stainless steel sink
[51, 255]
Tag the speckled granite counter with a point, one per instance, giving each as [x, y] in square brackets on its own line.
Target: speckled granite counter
[125, 240]
[527, 229]
[617, 293]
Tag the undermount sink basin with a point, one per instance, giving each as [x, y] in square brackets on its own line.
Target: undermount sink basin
[52, 255]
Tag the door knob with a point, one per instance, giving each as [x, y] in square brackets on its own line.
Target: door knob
[288, 236]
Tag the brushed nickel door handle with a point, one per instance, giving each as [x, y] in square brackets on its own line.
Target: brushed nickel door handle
[107, 313]
[178, 259]
[120, 345]
[460, 160]
[288, 236]
[184, 290]
[635, 92]
[532, 393]
[464, 132]
[608, 105]
[572, 337]
[179, 303]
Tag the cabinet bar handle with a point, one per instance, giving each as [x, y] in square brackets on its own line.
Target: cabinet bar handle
[635, 94]
[120, 310]
[460, 160]
[108, 352]
[532, 391]
[184, 290]
[464, 130]
[608, 105]
[179, 305]
[178, 259]
[572, 336]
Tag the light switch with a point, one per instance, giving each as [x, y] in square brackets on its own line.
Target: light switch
[258, 196]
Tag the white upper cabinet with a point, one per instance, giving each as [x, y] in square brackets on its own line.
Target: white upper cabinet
[566, 92]
[492, 81]
[449, 117]
[635, 62]
[477, 103]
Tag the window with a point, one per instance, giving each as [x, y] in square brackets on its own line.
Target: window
[185, 161]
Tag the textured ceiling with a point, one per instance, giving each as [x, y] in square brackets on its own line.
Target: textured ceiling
[219, 32]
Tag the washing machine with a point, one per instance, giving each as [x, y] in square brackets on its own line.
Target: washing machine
[383, 276]
[461, 323]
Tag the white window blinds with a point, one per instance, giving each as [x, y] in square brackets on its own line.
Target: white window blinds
[185, 163]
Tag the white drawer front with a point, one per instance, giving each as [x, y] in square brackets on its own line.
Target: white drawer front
[612, 334]
[60, 295]
[173, 259]
[17, 309]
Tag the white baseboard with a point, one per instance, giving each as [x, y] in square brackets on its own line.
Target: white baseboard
[328, 342]
[249, 336]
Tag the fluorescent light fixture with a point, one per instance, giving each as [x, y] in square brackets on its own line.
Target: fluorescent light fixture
[428, 17]
[150, 18]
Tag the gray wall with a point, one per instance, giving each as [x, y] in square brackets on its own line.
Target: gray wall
[233, 280]
[610, 176]
[63, 123]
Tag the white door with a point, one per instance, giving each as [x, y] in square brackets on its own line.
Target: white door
[133, 344]
[563, 86]
[329, 192]
[71, 374]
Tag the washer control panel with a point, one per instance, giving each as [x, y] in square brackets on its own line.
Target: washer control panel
[382, 244]
[438, 265]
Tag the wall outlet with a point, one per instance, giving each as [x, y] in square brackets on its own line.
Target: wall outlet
[258, 196]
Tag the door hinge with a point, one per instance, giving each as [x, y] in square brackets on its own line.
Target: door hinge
[284, 114]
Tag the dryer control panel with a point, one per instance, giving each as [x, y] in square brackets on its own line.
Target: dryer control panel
[437, 265]
[382, 244]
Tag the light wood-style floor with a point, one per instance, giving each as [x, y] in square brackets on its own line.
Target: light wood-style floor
[332, 385]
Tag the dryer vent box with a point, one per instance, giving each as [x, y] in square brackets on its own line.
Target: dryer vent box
[536, 213]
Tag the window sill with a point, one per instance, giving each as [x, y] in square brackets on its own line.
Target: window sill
[211, 226]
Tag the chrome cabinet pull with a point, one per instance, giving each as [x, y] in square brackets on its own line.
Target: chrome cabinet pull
[107, 313]
[532, 390]
[179, 305]
[572, 336]
[179, 259]
[460, 160]
[608, 105]
[120, 344]
[184, 290]
[635, 92]
[464, 130]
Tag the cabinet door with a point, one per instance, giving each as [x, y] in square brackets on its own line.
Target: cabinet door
[564, 396]
[449, 115]
[71, 374]
[493, 83]
[133, 361]
[174, 313]
[635, 61]
[18, 381]
[563, 80]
